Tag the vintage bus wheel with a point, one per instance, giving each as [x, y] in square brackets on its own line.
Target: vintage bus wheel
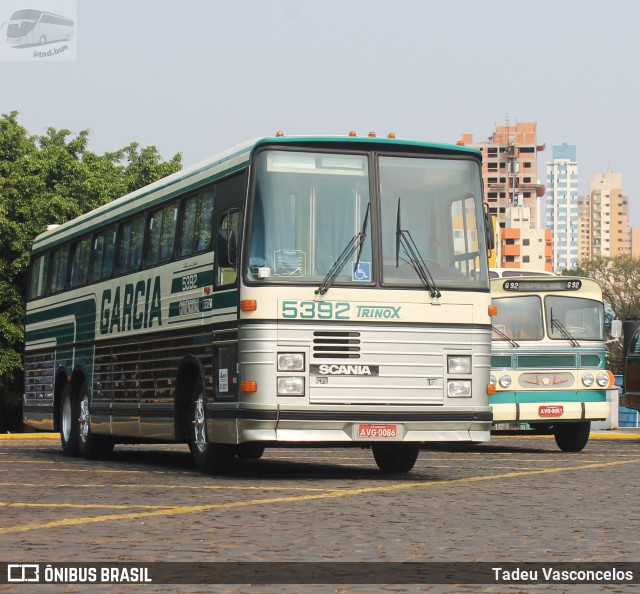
[572, 437]
[92, 446]
[215, 458]
[395, 457]
[250, 451]
[69, 423]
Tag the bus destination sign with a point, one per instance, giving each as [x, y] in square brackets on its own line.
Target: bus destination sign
[542, 285]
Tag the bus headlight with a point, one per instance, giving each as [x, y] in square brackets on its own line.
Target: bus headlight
[291, 386]
[602, 379]
[492, 379]
[290, 362]
[459, 364]
[504, 381]
[587, 379]
[459, 388]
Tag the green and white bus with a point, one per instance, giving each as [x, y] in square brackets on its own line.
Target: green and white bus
[292, 290]
[548, 356]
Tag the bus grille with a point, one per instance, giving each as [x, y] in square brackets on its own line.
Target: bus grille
[336, 345]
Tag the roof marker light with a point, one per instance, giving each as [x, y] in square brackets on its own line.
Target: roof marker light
[372, 134]
[279, 133]
[352, 133]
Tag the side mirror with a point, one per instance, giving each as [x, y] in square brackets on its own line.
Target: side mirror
[226, 248]
[488, 222]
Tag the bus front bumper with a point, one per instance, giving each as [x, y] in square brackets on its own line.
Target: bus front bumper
[341, 426]
[547, 412]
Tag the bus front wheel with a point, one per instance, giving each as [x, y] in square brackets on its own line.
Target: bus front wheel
[91, 446]
[572, 437]
[213, 458]
[395, 457]
[69, 423]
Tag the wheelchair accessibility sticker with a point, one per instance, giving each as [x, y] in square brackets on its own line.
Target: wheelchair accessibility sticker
[361, 271]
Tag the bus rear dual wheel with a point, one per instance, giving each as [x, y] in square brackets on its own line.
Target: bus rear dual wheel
[75, 430]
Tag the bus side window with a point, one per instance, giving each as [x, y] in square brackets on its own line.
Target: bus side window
[130, 236]
[197, 221]
[162, 233]
[81, 252]
[226, 251]
[38, 277]
[58, 270]
[103, 248]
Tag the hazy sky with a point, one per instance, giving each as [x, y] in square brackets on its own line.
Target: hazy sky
[199, 76]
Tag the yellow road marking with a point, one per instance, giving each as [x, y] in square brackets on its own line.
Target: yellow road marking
[29, 436]
[160, 486]
[84, 505]
[300, 498]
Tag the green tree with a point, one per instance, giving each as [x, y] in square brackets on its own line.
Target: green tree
[620, 281]
[46, 180]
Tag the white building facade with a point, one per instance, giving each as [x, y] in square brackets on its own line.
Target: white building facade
[562, 206]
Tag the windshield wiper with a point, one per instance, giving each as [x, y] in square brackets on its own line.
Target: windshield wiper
[555, 323]
[404, 239]
[504, 336]
[356, 243]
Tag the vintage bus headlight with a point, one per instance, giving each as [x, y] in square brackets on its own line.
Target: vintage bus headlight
[602, 379]
[505, 381]
[492, 379]
[459, 364]
[291, 386]
[587, 379]
[290, 362]
[459, 388]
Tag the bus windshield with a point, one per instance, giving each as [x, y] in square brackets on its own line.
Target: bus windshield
[22, 22]
[307, 209]
[580, 318]
[518, 318]
[310, 207]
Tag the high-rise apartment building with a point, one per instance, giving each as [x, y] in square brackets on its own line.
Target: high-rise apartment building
[604, 218]
[561, 206]
[509, 168]
[509, 174]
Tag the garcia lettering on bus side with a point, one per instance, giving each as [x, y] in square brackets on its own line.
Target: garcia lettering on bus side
[131, 307]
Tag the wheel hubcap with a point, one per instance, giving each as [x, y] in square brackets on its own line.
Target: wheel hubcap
[199, 424]
[66, 419]
[84, 418]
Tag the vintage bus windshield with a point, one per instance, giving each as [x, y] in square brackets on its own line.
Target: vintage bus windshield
[581, 318]
[520, 318]
[310, 207]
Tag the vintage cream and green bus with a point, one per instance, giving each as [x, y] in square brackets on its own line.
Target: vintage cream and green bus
[292, 290]
[548, 356]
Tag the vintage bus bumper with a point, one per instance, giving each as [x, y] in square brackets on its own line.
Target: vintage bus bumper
[568, 407]
[294, 426]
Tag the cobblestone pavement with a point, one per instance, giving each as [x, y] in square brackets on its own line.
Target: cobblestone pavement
[516, 499]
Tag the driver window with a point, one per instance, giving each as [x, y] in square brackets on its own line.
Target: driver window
[229, 224]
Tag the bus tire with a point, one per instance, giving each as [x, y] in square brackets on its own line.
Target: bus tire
[572, 437]
[69, 414]
[210, 458]
[395, 457]
[91, 446]
[250, 451]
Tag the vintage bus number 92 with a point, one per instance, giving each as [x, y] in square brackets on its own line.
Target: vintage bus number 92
[312, 310]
